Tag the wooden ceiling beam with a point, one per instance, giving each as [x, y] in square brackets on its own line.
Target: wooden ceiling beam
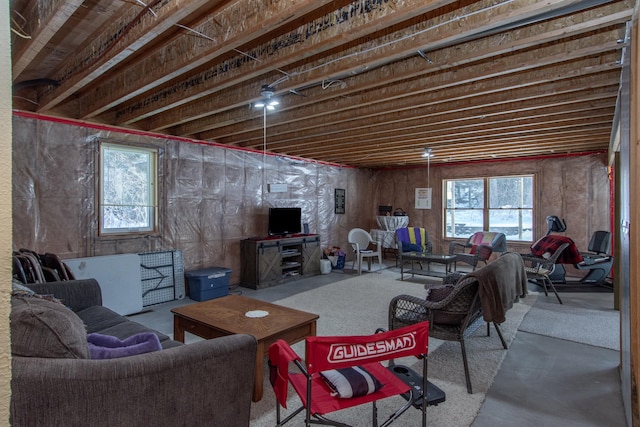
[522, 151]
[578, 141]
[538, 144]
[511, 123]
[459, 120]
[504, 43]
[120, 40]
[509, 102]
[325, 33]
[42, 20]
[432, 139]
[448, 113]
[314, 114]
[410, 67]
[478, 20]
[218, 37]
[440, 102]
[418, 140]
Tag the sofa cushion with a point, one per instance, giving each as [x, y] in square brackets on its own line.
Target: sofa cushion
[98, 318]
[42, 328]
[130, 328]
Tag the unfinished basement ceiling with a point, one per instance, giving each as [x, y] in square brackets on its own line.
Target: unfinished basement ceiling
[367, 83]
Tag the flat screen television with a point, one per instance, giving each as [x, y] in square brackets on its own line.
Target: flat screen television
[283, 221]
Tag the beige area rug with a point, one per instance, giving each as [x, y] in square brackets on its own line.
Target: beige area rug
[596, 325]
[358, 306]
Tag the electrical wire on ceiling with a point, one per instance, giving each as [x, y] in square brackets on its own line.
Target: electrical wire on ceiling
[20, 33]
[330, 83]
[286, 76]
[585, 4]
[145, 6]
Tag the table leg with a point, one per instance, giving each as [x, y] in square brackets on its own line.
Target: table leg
[178, 332]
[312, 332]
[258, 381]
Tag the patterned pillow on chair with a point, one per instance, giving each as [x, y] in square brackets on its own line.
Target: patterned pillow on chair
[351, 382]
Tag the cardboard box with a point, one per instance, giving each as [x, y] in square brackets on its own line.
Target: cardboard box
[208, 283]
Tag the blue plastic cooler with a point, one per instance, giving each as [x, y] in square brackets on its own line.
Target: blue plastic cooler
[208, 283]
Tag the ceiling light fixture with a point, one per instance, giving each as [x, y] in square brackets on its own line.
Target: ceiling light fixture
[428, 154]
[268, 102]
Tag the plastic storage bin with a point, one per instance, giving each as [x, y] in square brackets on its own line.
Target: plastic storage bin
[325, 266]
[208, 283]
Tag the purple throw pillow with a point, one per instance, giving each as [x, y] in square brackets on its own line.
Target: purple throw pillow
[108, 347]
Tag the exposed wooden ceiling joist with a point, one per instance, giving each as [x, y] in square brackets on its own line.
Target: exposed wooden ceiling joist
[363, 83]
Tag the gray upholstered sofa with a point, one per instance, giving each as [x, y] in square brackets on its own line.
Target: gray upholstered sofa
[55, 383]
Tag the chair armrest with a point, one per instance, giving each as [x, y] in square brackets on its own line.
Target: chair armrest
[533, 263]
[428, 247]
[456, 248]
[407, 310]
[75, 294]
[209, 382]
[483, 252]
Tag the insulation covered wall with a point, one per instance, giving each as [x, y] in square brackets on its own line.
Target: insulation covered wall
[213, 197]
[210, 197]
[572, 187]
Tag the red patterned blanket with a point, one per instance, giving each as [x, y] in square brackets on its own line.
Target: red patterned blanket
[571, 255]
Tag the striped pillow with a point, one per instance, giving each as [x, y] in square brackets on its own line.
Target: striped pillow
[351, 382]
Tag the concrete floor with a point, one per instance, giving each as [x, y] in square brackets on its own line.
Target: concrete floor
[543, 381]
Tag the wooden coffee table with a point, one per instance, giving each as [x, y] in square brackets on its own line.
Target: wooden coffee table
[227, 315]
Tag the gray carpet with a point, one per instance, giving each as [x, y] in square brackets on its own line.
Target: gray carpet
[594, 324]
[358, 306]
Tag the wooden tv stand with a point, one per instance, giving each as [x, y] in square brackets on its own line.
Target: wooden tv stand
[270, 261]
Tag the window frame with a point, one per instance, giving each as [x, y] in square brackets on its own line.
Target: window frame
[151, 190]
[486, 209]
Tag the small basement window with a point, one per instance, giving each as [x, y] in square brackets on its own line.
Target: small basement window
[500, 203]
[128, 189]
